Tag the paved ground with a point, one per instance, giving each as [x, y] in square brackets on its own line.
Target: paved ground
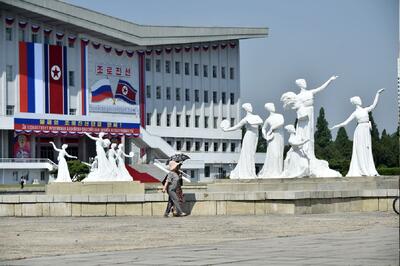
[328, 239]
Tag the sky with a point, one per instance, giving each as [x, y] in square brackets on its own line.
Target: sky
[358, 40]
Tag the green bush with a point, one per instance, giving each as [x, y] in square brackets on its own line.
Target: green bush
[77, 168]
[389, 171]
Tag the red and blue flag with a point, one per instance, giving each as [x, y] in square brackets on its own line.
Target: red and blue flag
[126, 92]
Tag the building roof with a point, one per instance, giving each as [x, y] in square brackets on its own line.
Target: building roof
[77, 19]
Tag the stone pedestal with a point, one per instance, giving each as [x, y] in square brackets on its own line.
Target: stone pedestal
[93, 188]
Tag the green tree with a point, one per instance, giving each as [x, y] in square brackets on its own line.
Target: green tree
[322, 137]
[343, 148]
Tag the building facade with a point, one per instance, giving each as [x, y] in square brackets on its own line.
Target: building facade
[157, 90]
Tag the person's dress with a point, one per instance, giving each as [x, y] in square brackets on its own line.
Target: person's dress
[122, 171]
[104, 171]
[296, 163]
[245, 168]
[305, 131]
[273, 165]
[362, 161]
[63, 172]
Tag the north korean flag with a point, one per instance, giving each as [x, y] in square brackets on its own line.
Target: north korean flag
[126, 92]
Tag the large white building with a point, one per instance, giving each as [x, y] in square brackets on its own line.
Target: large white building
[159, 90]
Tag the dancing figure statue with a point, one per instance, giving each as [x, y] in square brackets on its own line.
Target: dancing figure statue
[112, 156]
[63, 172]
[273, 165]
[245, 168]
[122, 171]
[297, 162]
[362, 161]
[104, 170]
[303, 104]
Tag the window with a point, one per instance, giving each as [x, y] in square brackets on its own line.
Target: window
[197, 145]
[196, 69]
[215, 146]
[72, 111]
[21, 35]
[224, 146]
[223, 72]
[205, 71]
[168, 66]
[35, 37]
[188, 145]
[187, 95]
[148, 119]
[233, 147]
[223, 97]
[187, 120]
[206, 96]
[214, 71]
[71, 78]
[178, 120]
[168, 120]
[231, 73]
[42, 175]
[8, 34]
[148, 64]
[177, 67]
[158, 92]
[215, 98]
[178, 94]
[158, 119]
[232, 98]
[10, 110]
[158, 65]
[71, 44]
[206, 146]
[196, 121]
[187, 69]
[168, 93]
[47, 39]
[178, 145]
[148, 91]
[9, 73]
[215, 122]
[59, 43]
[206, 122]
[207, 171]
[232, 122]
[196, 96]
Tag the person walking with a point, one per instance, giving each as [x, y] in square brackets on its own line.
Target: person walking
[173, 185]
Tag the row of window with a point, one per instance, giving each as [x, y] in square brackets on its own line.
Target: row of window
[10, 75]
[187, 120]
[35, 37]
[196, 95]
[189, 145]
[187, 69]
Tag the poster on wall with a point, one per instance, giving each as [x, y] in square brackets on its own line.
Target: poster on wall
[113, 82]
[22, 146]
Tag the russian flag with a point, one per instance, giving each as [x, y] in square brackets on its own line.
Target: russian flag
[126, 92]
[56, 87]
[101, 90]
[31, 85]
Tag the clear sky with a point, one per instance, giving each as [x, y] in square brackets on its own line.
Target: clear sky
[355, 39]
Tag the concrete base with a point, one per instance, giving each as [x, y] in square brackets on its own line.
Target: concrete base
[230, 197]
[95, 188]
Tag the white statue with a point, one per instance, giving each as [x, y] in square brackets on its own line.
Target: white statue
[245, 168]
[297, 162]
[104, 170]
[63, 172]
[303, 103]
[362, 161]
[273, 165]
[112, 156]
[122, 171]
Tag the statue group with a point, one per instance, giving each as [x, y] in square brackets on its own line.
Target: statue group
[106, 166]
[300, 160]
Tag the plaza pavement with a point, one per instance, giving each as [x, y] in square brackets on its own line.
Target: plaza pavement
[324, 239]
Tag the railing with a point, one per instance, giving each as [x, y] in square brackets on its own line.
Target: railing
[160, 163]
[27, 160]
